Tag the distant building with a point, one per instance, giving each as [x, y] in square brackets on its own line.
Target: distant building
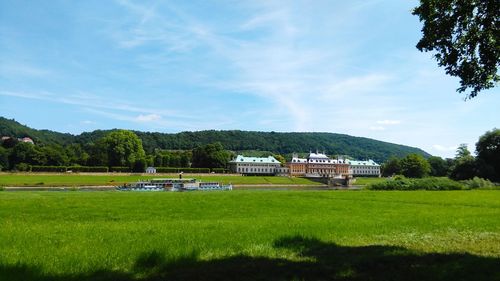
[255, 165]
[365, 168]
[27, 139]
[318, 165]
[150, 170]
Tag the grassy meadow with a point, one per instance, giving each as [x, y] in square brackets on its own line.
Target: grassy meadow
[109, 179]
[250, 235]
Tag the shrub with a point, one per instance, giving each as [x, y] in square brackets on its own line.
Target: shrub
[219, 170]
[477, 182]
[184, 170]
[433, 183]
[48, 169]
[120, 169]
[396, 183]
[22, 167]
[167, 170]
[195, 170]
[430, 183]
[96, 169]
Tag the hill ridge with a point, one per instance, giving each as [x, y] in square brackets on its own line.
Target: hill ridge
[235, 140]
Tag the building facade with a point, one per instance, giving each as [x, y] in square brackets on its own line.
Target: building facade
[255, 165]
[318, 165]
[365, 168]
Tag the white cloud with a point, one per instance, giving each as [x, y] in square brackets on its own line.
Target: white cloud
[87, 122]
[389, 122]
[148, 118]
[442, 148]
[377, 128]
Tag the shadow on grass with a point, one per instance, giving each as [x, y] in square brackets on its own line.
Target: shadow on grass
[322, 261]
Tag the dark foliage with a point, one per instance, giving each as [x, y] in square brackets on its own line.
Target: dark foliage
[465, 35]
[488, 155]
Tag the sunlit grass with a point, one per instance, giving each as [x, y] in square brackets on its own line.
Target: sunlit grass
[77, 232]
[33, 179]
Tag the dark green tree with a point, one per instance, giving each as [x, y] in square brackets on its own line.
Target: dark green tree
[76, 154]
[55, 155]
[4, 158]
[439, 166]
[391, 167]
[121, 148]
[464, 166]
[27, 153]
[212, 155]
[488, 155]
[415, 166]
[465, 34]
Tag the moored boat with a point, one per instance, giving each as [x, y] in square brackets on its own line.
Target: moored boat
[169, 184]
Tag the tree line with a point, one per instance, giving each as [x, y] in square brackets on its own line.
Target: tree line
[486, 164]
[118, 150]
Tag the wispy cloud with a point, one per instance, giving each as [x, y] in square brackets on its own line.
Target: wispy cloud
[443, 148]
[389, 122]
[92, 101]
[18, 69]
[148, 118]
[377, 128]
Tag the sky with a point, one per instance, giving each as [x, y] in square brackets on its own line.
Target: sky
[347, 67]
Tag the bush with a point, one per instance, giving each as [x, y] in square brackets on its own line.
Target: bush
[396, 183]
[48, 169]
[167, 170]
[195, 170]
[477, 182]
[120, 169]
[219, 170]
[433, 183]
[430, 183]
[96, 169]
[22, 167]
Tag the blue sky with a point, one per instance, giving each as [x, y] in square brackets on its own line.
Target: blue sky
[169, 66]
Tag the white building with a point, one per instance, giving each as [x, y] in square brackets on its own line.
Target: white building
[255, 165]
[365, 168]
[151, 170]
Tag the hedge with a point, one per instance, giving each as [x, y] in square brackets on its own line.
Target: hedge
[219, 170]
[430, 183]
[89, 169]
[184, 170]
[120, 169]
[48, 169]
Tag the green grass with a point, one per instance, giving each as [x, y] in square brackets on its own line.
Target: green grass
[32, 179]
[250, 235]
[368, 180]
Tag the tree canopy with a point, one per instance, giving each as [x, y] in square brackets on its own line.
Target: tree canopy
[465, 35]
[211, 155]
[488, 154]
[122, 148]
[415, 166]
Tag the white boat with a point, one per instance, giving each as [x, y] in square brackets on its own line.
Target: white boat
[169, 184]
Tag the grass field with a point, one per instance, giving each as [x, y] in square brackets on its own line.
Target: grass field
[32, 179]
[250, 235]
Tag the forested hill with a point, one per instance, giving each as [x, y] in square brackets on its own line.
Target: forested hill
[282, 143]
[12, 128]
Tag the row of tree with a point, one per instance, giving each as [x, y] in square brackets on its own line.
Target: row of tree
[119, 148]
[464, 166]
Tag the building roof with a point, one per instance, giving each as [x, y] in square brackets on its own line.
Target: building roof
[261, 160]
[363, 163]
[317, 156]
